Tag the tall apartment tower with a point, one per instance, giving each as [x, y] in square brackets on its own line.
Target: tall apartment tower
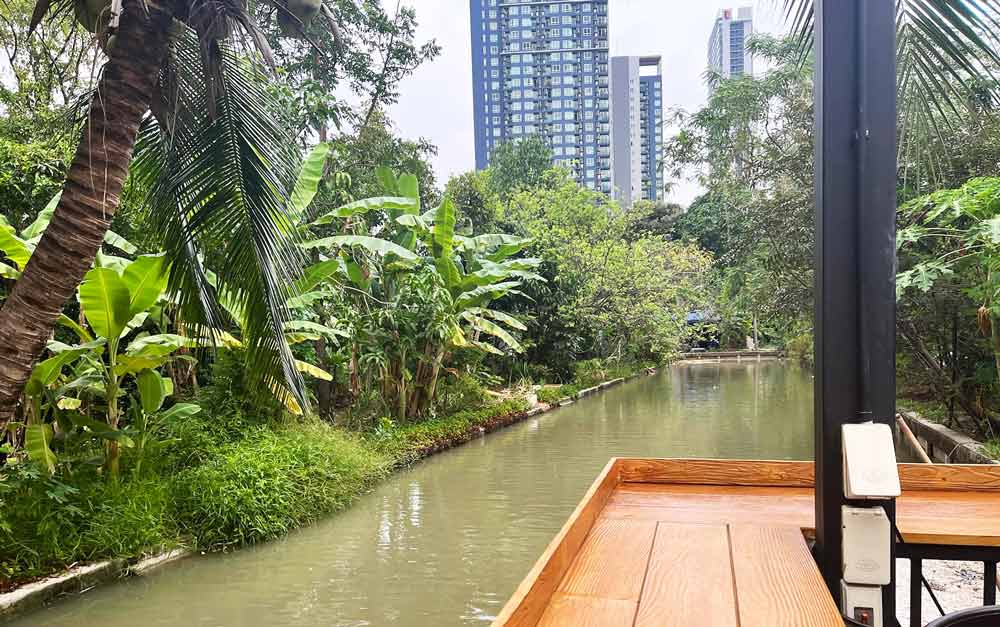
[636, 128]
[542, 68]
[727, 50]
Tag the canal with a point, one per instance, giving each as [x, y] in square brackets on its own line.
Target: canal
[447, 541]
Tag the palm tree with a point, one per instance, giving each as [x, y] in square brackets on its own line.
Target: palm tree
[947, 58]
[218, 163]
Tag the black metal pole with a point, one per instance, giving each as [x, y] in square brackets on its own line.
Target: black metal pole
[954, 365]
[855, 246]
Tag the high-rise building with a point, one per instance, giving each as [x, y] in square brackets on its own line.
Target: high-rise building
[727, 47]
[541, 68]
[636, 127]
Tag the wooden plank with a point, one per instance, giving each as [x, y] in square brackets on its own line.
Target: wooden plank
[689, 580]
[948, 517]
[712, 504]
[957, 477]
[925, 516]
[941, 504]
[952, 477]
[528, 603]
[777, 582]
[718, 472]
[565, 610]
[612, 562]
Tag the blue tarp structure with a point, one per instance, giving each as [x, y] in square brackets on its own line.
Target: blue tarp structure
[699, 317]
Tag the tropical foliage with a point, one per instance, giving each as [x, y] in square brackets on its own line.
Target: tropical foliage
[612, 293]
[946, 63]
[751, 148]
[414, 291]
[949, 250]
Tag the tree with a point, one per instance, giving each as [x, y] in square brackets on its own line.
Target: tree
[416, 291]
[47, 75]
[518, 165]
[164, 55]
[375, 145]
[951, 241]
[374, 52]
[703, 224]
[610, 294]
[477, 204]
[751, 147]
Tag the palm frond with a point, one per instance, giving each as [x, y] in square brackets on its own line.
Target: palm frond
[219, 190]
[947, 56]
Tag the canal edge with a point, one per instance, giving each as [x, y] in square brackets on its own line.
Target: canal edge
[945, 445]
[502, 422]
[85, 577]
[79, 579]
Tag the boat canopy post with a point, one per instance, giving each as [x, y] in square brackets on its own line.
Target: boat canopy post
[855, 162]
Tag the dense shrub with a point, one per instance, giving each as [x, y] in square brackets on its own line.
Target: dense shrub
[230, 394]
[800, 349]
[263, 486]
[407, 443]
[50, 523]
[460, 393]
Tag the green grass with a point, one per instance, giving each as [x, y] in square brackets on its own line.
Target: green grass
[992, 448]
[229, 481]
[228, 478]
[47, 524]
[934, 411]
[264, 486]
[587, 374]
[409, 442]
[556, 394]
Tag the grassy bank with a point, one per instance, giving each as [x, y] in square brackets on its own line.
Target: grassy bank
[587, 374]
[234, 474]
[224, 482]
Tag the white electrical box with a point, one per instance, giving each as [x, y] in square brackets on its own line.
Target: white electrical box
[869, 462]
[862, 603]
[867, 545]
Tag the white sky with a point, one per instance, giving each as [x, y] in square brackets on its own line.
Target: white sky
[436, 102]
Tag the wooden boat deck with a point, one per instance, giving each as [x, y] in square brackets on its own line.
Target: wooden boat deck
[723, 543]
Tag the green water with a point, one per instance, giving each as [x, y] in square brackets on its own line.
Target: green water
[447, 541]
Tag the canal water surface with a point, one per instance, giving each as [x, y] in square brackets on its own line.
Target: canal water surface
[447, 541]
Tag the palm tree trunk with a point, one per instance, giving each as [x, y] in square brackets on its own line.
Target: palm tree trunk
[90, 195]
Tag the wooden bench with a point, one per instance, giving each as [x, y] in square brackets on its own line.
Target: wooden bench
[665, 541]
[657, 574]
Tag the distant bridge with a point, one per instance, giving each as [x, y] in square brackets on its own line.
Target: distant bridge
[737, 356]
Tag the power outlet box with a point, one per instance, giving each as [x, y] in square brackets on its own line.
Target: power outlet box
[869, 462]
[862, 603]
[867, 538]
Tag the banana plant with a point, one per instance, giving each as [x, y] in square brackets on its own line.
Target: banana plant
[476, 270]
[112, 353]
[380, 268]
[296, 332]
[17, 248]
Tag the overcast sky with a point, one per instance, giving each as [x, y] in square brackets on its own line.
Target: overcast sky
[436, 102]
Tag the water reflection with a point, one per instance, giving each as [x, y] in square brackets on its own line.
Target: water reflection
[447, 541]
